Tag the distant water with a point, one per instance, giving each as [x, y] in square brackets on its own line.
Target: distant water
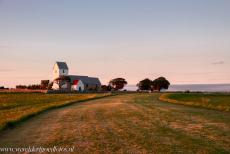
[192, 87]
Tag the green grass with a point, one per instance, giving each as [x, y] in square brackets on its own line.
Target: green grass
[15, 107]
[216, 101]
[132, 123]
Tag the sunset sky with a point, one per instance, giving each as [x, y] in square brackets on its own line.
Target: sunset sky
[187, 41]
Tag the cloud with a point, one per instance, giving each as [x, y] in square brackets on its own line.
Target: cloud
[218, 63]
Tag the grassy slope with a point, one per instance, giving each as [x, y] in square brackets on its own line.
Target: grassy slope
[17, 106]
[211, 101]
[134, 123]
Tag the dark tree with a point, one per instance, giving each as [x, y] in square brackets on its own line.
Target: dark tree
[106, 88]
[118, 83]
[50, 86]
[160, 83]
[44, 84]
[62, 80]
[144, 84]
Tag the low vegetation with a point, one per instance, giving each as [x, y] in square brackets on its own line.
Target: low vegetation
[211, 101]
[15, 107]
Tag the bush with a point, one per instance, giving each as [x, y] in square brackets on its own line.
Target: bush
[21, 87]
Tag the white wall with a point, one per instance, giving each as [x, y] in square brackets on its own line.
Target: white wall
[55, 86]
[57, 72]
[76, 87]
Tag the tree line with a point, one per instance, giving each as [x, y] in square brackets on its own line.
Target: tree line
[143, 85]
[43, 86]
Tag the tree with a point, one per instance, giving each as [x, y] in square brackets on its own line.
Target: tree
[160, 83]
[118, 83]
[62, 80]
[144, 84]
[50, 86]
[106, 88]
[44, 84]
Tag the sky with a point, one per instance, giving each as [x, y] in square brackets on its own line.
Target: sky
[186, 41]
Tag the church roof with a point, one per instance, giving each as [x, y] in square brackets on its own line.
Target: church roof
[85, 79]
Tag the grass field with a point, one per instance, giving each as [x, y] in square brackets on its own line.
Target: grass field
[132, 123]
[15, 107]
[211, 101]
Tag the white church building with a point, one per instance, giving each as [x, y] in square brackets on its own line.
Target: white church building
[63, 81]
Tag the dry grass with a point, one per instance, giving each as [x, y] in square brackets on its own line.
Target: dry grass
[15, 107]
[134, 123]
[211, 101]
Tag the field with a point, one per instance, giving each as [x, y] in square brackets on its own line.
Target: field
[216, 101]
[15, 107]
[130, 123]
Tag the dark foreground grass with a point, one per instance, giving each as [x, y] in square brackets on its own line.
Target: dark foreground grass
[215, 101]
[133, 123]
[17, 107]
